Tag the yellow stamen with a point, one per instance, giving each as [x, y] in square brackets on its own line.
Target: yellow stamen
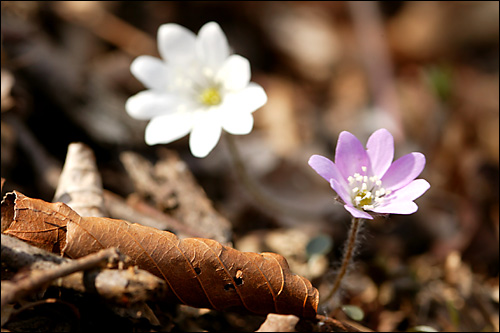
[210, 96]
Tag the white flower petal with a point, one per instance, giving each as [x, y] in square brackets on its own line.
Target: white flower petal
[235, 73]
[205, 134]
[152, 72]
[211, 46]
[238, 123]
[168, 128]
[175, 43]
[192, 64]
[149, 103]
[248, 99]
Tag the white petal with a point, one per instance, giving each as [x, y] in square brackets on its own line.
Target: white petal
[168, 128]
[205, 134]
[211, 46]
[175, 43]
[152, 72]
[149, 103]
[238, 123]
[248, 99]
[234, 74]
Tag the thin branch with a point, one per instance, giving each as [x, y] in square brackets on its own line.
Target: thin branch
[22, 284]
[120, 286]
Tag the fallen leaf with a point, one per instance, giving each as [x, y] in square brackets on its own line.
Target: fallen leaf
[200, 272]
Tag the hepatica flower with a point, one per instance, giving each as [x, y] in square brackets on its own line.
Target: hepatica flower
[368, 181]
[197, 88]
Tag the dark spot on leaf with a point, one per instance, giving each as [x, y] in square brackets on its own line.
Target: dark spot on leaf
[229, 286]
[197, 270]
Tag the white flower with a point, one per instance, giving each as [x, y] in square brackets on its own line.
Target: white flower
[197, 87]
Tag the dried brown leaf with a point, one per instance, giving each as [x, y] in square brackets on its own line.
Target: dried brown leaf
[80, 184]
[199, 272]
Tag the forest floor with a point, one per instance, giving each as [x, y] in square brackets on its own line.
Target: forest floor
[427, 71]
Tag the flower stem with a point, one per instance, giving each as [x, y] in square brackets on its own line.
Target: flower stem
[254, 189]
[349, 250]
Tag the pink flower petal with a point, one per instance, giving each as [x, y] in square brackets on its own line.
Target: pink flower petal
[411, 191]
[342, 190]
[397, 207]
[403, 171]
[324, 167]
[350, 156]
[358, 213]
[398, 177]
[401, 201]
[380, 149]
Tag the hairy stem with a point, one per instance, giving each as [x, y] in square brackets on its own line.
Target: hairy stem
[349, 250]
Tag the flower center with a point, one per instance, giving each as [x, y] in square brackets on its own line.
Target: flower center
[366, 192]
[210, 96]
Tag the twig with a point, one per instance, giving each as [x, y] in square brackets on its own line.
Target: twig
[119, 286]
[22, 285]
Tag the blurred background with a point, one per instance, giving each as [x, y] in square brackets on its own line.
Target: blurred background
[426, 71]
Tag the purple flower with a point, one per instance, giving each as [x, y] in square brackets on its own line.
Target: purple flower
[367, 180]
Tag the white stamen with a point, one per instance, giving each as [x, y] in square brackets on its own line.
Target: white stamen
[367, 191]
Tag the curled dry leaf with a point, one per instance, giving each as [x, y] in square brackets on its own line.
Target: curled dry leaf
[80, 184]
[279, 323]
[199, 272]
